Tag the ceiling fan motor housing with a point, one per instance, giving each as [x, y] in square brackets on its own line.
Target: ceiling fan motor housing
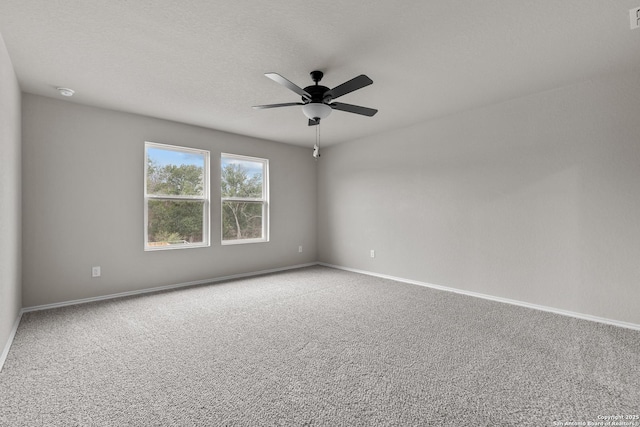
[317, 93]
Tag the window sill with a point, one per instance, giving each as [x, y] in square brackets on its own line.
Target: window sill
[243, 241]
[173, 247]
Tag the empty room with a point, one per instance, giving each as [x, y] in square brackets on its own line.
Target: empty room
[289, 213]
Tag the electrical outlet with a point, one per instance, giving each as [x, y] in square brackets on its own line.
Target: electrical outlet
[634, 15]
[373, 253]
[95, 271]
[299, 249]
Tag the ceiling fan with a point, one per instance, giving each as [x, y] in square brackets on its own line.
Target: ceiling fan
[317, 101]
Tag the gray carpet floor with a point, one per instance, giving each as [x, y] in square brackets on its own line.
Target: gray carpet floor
[315, 347]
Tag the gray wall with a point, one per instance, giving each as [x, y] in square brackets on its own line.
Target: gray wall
[10, 197]
[536, 200]
[83, 204]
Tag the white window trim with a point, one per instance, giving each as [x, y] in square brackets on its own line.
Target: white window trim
[206, 215]
[264, 200]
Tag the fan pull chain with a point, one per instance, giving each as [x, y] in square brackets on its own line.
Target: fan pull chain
[316, 147]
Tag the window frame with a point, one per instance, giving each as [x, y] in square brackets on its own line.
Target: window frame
[264, 200]
[205, 198]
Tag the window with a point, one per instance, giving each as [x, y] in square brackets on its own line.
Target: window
[245, 199]
[176, 197]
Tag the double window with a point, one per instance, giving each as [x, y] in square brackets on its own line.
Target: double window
[177, 198]
[245, 199]
[176, 194]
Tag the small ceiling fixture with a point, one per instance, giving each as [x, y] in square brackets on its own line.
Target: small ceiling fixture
[65, 91]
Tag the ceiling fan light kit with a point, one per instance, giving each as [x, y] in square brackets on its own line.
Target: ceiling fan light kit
[316, 110]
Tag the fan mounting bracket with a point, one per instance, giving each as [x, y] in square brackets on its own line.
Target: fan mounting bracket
[316, 76]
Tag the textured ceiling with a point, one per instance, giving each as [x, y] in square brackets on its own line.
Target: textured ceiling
[202, 61]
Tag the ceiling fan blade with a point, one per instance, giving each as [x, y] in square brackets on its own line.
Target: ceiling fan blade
[289, 85]
[313, 122]
[347, 87]
[370, 112]
[286, 104]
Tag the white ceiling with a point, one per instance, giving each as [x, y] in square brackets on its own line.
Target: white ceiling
[202, 61]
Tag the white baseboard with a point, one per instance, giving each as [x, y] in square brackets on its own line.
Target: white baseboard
[589, 317]
[12, 334]
[162, 288]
